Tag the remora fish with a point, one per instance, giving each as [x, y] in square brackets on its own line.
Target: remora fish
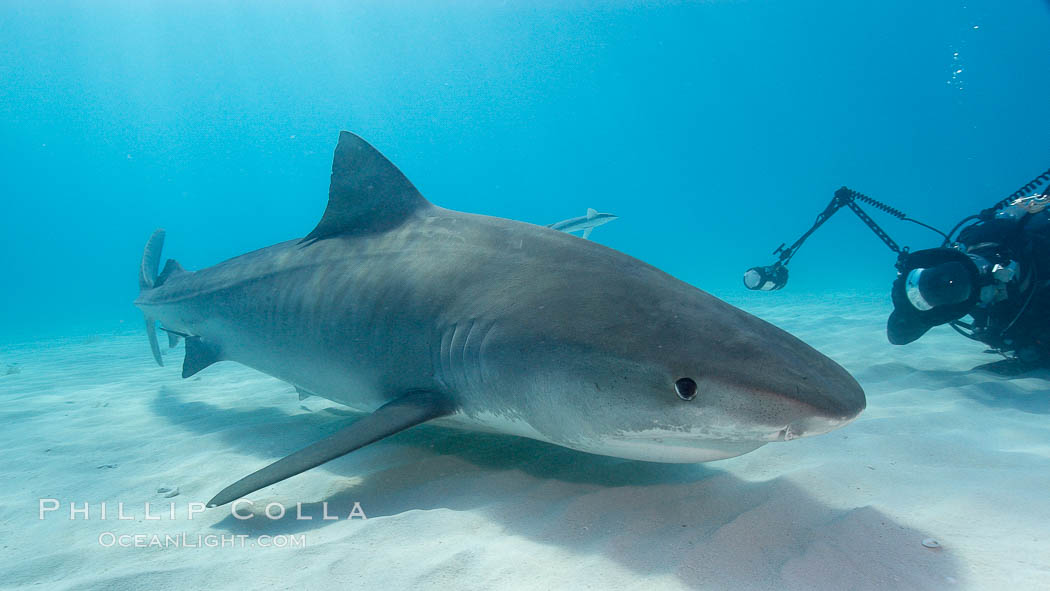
[411, 312]
[586, 223]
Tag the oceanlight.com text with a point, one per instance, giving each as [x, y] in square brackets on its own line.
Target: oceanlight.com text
[110, 539]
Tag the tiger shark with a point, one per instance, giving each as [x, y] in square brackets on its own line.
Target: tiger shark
[413, 313]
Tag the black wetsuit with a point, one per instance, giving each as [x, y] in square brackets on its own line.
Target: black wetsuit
[1020, 323]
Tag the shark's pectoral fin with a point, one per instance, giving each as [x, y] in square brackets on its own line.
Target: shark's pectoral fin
[400, 414]
[587, 233]
[199, 354]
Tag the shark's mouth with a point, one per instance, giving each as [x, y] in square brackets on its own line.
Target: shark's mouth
[673, 448]
[689, 447]
[811, 426]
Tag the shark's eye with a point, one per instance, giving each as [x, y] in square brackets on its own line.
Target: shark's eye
[685, 388]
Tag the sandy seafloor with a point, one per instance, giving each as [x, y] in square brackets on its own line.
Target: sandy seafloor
[941, 452]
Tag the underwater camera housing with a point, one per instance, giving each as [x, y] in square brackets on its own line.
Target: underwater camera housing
[933, 287]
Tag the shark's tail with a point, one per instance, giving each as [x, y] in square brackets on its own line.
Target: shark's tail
[148, 280]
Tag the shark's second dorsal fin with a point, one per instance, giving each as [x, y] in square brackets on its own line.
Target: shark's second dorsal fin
[172, 268]
[368, 193]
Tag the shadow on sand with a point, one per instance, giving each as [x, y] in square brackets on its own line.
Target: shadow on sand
[702, 525]
[1028, 392]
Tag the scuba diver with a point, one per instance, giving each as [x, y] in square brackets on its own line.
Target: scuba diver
[996, 271]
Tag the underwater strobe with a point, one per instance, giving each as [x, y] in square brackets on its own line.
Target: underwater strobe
[768, 278]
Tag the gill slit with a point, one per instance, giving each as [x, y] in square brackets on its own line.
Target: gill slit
[458, 359]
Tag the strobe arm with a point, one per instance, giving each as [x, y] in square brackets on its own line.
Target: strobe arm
[775, 276]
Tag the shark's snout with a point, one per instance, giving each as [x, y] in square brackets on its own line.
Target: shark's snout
[824, 399]
[832, 396]
[777, 388]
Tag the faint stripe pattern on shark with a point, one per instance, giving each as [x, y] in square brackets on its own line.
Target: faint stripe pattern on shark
[412, 312]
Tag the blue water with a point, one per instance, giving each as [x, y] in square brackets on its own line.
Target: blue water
[714, 130]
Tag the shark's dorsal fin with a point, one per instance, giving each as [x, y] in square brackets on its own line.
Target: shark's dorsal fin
[367, 194]
[591, 212]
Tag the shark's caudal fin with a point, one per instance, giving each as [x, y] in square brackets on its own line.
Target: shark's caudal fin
[367, 194]
[397, 415]
[147, 280]
[151, 260]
